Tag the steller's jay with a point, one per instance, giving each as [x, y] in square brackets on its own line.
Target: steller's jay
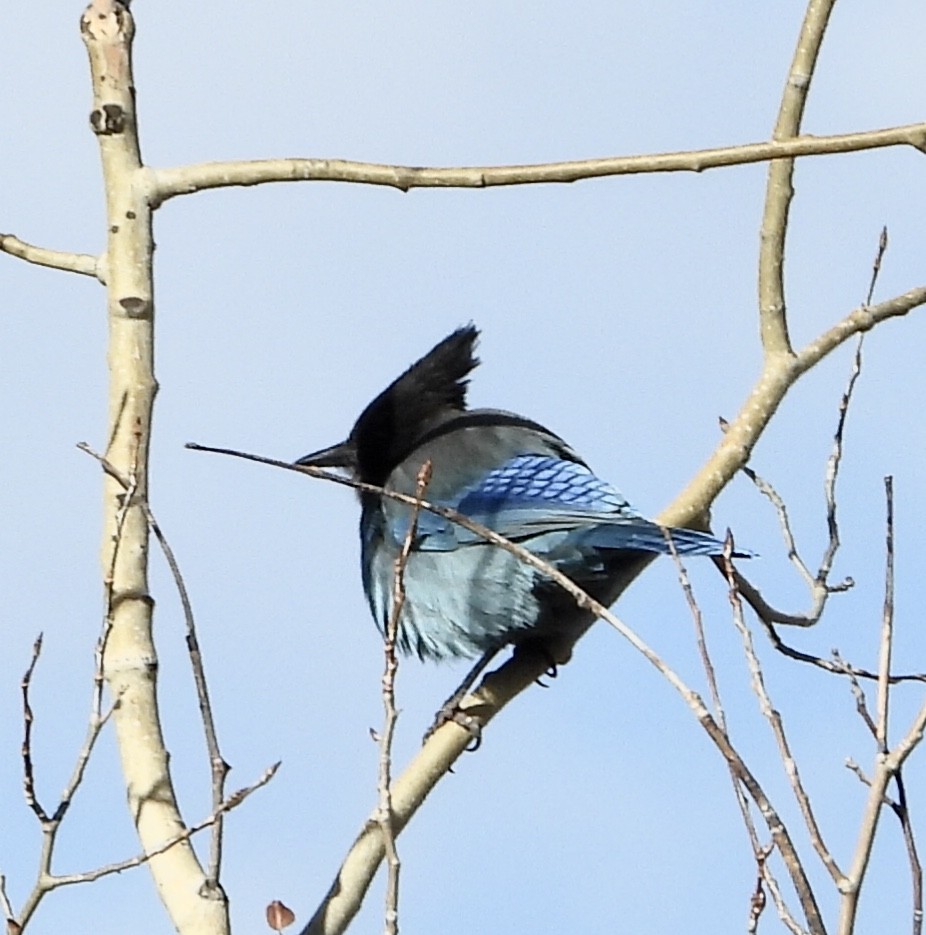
[464, 596]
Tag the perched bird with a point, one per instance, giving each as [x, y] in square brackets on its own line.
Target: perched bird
[464, 596]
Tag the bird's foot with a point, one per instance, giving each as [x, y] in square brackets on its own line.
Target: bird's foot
[552, 669]
[451, 712]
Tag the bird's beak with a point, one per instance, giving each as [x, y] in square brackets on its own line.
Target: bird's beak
[343, 455]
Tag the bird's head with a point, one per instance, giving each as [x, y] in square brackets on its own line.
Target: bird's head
[431, 391]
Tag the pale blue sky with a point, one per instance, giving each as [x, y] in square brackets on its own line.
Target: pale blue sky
[619, 312]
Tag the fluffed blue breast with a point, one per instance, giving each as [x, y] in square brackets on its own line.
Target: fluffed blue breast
[457, 603]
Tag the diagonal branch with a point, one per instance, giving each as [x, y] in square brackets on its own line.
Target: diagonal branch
[778, 376]
[83, 263]
[773, 717]
[760, 852]
[446, 744]
[218, 766]
[226, 805]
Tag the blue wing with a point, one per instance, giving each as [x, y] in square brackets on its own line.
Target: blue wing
[555, 507]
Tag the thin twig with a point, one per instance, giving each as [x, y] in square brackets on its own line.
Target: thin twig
[833, 464]
[887, 623]
[818, 584]
[700, 638]
[760, 851]
[835, 459]
[818, 591]
[233, 801]
[28, 719]
[902, 811]
[94, 729]
[130, 486]
[853, 767]
[710, 673]
[218, 766]
[770, 615]
[385, 816]
[837, 666]
[861, 702]
[876, 266]
[6, 906]
[97, 719]
[776, 724]
[781, 907]
[757, 901]
[879, 730]
[889, 761]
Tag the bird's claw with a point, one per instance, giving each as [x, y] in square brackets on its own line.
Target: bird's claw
[551, 671]
[461, 718]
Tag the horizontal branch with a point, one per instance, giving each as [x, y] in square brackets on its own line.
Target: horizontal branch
[83, 263]
[184, 180]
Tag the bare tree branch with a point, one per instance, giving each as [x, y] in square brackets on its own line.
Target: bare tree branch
[778, 377]
[130, 657]
[887, 625]
[861, 702]
[757, 902]
[12, 926]
[779, 190]
[28, 720]
[818, 584]
[876, 266]
[384, 815]
[233, 801]
[771, 714]
[51, 825]
[833, 464]
[879, 732]
[184, 180]
[82, 263]
[125, 651]
[888, 762]
[902, 811]
[447, 743]
[218, 766]
[760, 852]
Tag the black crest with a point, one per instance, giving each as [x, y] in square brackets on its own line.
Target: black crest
[432, 389]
